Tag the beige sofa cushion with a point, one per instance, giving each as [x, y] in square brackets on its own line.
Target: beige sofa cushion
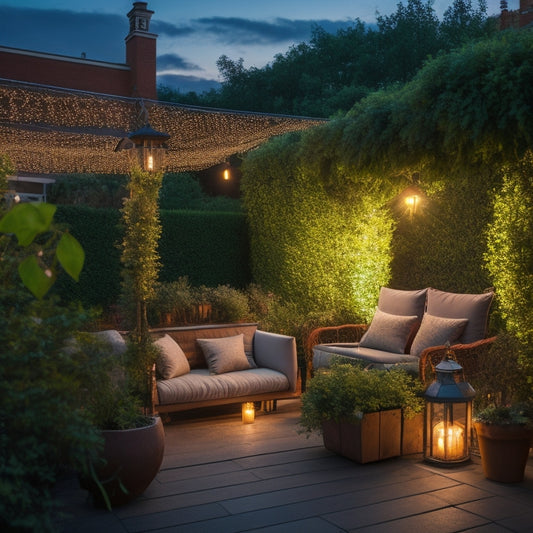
[437, 331]
[225, 354]
[388, 333]
[171, 361]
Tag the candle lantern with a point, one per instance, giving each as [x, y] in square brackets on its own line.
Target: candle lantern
[448, 416]
[150, 146]
[248, 412]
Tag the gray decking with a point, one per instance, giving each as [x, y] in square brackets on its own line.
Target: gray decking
[221, 476]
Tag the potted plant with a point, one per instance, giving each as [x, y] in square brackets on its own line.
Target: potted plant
[505, 435]
[134, 440]
[503, 420]
[360, 412]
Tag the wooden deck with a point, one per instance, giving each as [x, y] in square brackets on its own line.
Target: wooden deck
[220, 475]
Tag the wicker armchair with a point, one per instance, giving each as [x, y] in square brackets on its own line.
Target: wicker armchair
[467, 355]
[331, 334]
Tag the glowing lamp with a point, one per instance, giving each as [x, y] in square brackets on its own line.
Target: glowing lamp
[448, 416]
[248, 412]
[149, 145]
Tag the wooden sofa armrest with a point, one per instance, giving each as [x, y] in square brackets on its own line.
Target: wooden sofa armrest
[329, 335]
[467, 355]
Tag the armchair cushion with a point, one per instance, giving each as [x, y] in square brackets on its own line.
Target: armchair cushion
[474, 307]
[399, 302]
[436, 331]
[388, 333]
[225, 354]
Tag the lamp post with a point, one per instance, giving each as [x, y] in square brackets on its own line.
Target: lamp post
[448, 416]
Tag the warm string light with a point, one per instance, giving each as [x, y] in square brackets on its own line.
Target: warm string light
[46, 130]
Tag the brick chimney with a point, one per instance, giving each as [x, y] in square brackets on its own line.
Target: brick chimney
[141, 52]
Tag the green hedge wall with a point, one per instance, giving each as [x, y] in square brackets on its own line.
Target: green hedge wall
[98, 230]
[210, 248]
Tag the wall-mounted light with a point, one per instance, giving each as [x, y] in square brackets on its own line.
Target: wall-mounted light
[412, 203]
[226, 172]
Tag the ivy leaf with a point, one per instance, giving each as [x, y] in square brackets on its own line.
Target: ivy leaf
[34, 278]
[71, 255]
[27, 220]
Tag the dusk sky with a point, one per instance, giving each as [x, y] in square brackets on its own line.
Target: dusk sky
[193, 34]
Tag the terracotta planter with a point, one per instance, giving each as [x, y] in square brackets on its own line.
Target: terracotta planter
[376, 437]
[133, 458]
[504, 451]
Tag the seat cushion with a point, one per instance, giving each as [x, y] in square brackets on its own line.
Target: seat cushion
[388, 333]
[199, 385]
[399, 302]
[437, 331]
[474, 307]
[322, 354]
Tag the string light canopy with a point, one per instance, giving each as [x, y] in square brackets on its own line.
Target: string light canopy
[49, 130]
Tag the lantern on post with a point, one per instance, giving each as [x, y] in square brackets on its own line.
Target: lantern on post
[448, 416]
[150, 146]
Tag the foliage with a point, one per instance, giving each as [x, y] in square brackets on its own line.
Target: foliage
[41, 248]
[93, 190]
[346, 391]
[333, 71]
[509, 254]
[43, 427]
[502, 378]
[504, 415]
[210, 248]
[183, 191]
[229, 304]
[142, 229]
[99, 232]
[306, 244]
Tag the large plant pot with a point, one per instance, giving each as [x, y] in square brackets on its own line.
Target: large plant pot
[504, 451]
[132, 458]
[376, 437]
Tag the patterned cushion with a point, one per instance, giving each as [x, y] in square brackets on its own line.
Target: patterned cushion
[405, 303]
[225, 354]
[388, 333]
[437, 331]
[171, 361]
[474, 307]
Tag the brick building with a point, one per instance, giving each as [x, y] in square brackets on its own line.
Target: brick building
[521, 18]
[135, 78]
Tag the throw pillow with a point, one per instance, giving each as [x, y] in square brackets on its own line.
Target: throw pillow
[224, 354]
[437, 331]
[474, 307]
[388, 333]
[171, 361]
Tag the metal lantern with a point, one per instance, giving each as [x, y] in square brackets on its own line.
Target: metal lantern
[448, 416]
[150, 146]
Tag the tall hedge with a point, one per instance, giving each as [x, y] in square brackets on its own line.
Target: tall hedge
[210, 248]
[309, 245]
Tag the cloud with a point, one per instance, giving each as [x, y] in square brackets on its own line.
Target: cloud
[170, 30]
[174, 61]
[187, 84]
[100, 36]
[235, 30]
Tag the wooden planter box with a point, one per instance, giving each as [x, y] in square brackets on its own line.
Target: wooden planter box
[413, 435]
[376, 437]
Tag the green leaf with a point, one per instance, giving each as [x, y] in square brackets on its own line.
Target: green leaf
[34, 278]
[27, 220]
[71, 255]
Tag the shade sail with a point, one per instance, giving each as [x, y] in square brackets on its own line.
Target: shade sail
[49, 130]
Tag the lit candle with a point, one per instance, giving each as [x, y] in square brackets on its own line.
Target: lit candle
[248, 412]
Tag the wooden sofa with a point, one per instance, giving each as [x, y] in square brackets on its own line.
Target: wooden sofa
[275, 376]
[468, 342]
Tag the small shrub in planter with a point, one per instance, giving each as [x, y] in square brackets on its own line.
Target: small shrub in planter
[347, 395]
